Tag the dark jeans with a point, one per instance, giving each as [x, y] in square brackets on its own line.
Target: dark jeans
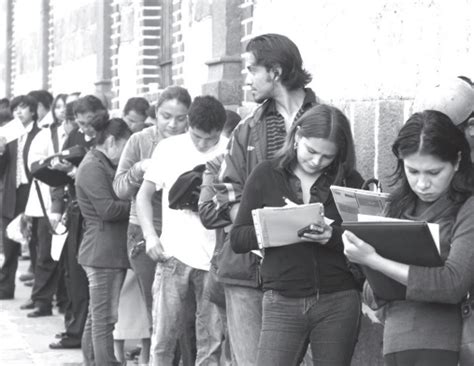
[46, 269]
[328, 322]
[422, 357]
[104, 291]
[11, 249]
[76, 279]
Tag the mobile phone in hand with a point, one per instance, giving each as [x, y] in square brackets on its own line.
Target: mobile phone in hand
[310, 229]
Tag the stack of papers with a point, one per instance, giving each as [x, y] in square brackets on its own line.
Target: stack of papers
[278, 226]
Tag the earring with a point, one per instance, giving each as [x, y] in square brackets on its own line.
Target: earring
[295, 145]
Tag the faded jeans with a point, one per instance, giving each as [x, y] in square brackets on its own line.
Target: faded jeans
[175, 285]
[244, 321]
[104, 291]
[329, 322]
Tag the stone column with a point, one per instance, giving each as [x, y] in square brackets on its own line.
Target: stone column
[103, 81]
[5, 51]
[225, 79]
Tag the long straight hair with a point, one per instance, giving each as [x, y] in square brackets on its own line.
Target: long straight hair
[326, 122]
[430, 133]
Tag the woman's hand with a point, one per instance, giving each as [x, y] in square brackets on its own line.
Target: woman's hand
[357, 250]
[319, 232]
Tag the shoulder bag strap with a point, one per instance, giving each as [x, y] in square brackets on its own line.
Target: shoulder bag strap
[43, 208]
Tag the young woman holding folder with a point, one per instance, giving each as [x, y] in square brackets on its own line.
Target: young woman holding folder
[311, 295]
[434, 176]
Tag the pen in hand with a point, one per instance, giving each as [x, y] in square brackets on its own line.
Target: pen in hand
[289, 202]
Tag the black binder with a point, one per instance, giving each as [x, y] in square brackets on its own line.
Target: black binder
[405, 242]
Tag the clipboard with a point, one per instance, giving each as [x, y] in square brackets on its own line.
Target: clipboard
[405, 242]
[351, 202]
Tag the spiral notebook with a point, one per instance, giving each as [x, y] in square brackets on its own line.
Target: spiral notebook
[278, 226]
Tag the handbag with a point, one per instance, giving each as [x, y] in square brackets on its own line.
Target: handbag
[42, 170]
[466, 352]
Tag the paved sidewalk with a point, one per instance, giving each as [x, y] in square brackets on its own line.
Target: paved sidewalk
[24, 341]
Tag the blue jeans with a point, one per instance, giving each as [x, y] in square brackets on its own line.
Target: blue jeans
[329, 322]
[244, 321]
[104, 291]
[143, 266]
[176, 284]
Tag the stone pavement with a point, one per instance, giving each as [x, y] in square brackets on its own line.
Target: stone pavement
[24, 341]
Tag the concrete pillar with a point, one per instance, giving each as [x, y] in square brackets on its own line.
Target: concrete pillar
[224, 78]
[44, 44]
[5, 44]
[103, 81]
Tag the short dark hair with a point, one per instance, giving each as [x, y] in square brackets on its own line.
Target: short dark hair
[137, 104]
[4, 103]
[42, 96]
[88, 103]
[231, 121]
[106, 127]
[206, 114]
[272, 50]
[5, 115]
[174, 92]
[325, 122]
[25, 100]
[431, 133]
[70, 116]
[151, 112]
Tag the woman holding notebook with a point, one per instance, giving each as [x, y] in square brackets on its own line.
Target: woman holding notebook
[311, 296]
[434, 184]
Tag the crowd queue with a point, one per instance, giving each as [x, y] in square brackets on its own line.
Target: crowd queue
[161, 244]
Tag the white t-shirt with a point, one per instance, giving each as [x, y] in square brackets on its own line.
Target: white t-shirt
[183, 236]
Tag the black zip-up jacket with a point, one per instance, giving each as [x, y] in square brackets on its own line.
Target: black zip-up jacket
[301, 269]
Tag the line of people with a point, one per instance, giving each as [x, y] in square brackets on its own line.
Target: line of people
[173, 201]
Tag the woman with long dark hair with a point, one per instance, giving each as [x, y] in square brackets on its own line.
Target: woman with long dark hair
[310, 294]
[434, 176]
[103, 250]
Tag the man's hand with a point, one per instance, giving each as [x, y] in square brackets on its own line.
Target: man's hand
[155, 250]
[3, 145]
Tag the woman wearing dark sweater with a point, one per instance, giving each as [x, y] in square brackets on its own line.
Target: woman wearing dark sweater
[310, 295]
[103, 250]
[434, 173]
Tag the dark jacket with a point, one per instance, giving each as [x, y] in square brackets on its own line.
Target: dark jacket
[305, 268]
[104, 243]
[8, 172]
[247, 148]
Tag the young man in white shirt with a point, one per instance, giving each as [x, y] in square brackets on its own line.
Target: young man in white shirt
[185, 247]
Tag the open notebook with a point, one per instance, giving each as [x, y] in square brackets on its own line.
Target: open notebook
[278, 226]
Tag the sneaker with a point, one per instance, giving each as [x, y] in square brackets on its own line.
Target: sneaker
[27, 276]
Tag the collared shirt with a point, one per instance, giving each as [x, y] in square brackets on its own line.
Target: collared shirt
[21, 177]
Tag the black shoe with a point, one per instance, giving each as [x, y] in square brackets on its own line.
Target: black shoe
[132, 354]
[29, 283]
[6, 296]
[60, 335]
[29, 305]
[27, 276]
[38, 312]
[66, 343]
